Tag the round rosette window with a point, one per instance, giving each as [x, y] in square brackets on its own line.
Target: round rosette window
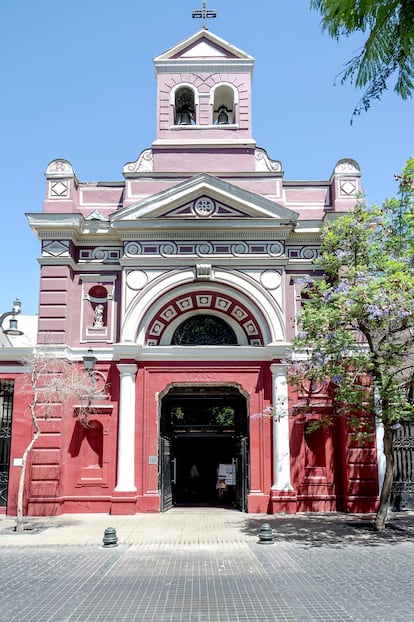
[204, 207]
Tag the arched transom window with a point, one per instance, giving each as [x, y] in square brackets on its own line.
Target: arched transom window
[204, 330]
[209, 318]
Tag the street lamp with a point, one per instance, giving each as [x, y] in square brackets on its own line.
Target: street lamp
[89, 362]
[13, 329]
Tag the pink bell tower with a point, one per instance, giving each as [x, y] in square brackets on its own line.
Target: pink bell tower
[204, 117]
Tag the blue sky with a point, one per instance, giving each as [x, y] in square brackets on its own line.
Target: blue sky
[78, 83]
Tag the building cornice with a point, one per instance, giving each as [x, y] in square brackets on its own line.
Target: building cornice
[127, 350]
[157, 228]
[16, 357]
[194, 143]
[50, 260]
[194, 65]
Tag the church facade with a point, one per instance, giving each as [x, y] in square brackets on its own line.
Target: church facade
[182, 283]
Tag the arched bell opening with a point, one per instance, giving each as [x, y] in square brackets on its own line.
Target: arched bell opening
[204, 447]
[224, 99]
[184, 106]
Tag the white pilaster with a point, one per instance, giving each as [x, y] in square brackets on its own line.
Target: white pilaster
[126, 429]
[281, 448]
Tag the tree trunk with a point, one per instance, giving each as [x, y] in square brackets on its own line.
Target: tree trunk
[20, 494]
[379, 523]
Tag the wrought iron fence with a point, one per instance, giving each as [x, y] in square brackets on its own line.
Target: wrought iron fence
[6, 412]
[402, 491]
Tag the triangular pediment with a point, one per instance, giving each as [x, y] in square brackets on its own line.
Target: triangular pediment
[203, 45]
[205, 197]
[204, 49]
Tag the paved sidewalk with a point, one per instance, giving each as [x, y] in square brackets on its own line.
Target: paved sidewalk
[203, 526]
[205, 565]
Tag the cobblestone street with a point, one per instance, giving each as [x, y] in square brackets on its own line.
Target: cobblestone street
[207, 566]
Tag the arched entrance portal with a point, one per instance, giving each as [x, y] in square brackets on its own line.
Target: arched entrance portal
[203, 438]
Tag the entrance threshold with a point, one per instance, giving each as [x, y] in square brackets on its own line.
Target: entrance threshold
[203, 509]
[201, 506]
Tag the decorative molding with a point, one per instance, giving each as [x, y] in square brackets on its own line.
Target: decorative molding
[100, 254]
[203, 248]
[97, 279]
[264, 164]
[347, 165]
[56, 248]
[205, 207]
[208, 301]
[151, 235]
[348, 188]
[303, 252]
[60, 168]
[58, 190]
[136, 279]
[144, 164]
[271, 279]
[98, 241]
[203, 272]
[96, 215]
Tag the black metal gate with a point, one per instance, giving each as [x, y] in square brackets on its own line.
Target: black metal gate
[402, 491]
[6, 411]
[165, 475]
[242, 473]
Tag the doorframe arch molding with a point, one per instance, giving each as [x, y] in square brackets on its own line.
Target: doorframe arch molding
[256, 301]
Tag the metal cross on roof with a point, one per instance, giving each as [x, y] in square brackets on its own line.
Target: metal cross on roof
[205, 14]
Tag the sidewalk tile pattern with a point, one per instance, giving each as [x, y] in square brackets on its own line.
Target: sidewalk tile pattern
[207, 567]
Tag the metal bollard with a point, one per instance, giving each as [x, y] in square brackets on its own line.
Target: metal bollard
[110, 538]
[265, 534]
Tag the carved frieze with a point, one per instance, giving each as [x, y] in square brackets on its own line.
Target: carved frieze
[222, 248]
[100, 254]
[307, 253]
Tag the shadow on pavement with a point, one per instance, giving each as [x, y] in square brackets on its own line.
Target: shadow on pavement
[336, 530]
[35, 525]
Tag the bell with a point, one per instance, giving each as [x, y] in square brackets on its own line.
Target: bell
[184, 117]
[223, 117]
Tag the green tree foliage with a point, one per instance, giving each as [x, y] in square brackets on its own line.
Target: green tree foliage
[357, 322]
[388, 49]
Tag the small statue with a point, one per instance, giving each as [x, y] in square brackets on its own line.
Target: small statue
[98, 321]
